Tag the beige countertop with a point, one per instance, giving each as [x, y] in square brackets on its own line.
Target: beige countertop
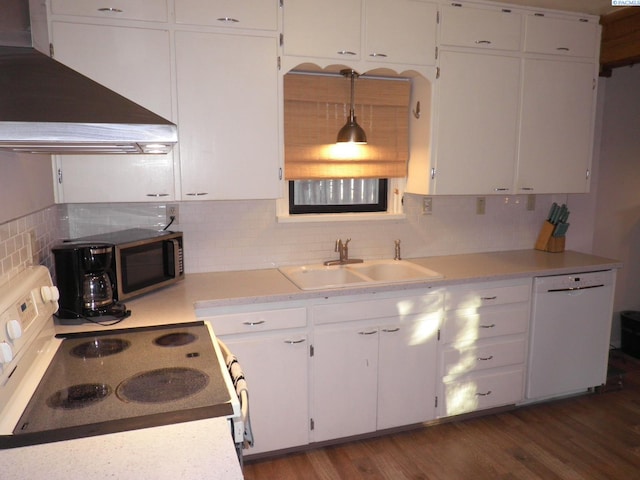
[203, 450]
[176, 303]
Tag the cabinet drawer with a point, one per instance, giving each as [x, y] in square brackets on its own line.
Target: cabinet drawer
[482, 390]
[149, 10]
[499, 354]
[561, 37]
[254, 14]
[250, 322]
[487, 295]
[478, 28]
[379, 308]
[464, 328]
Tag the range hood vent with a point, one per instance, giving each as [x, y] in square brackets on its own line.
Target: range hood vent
[46, 107]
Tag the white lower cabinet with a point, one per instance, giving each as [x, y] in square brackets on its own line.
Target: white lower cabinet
[373, 364]
[272, 348]
[482, 352]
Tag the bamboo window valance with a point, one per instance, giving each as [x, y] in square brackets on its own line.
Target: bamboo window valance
[317, 106]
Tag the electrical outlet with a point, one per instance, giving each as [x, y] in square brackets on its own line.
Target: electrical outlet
[172, 210]
[481, 204]
[427, 205]
[531, 202]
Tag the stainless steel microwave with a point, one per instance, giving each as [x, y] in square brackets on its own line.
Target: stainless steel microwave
[143, 260]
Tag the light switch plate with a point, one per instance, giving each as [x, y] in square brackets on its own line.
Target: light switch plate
[427, 205]
[481, 205]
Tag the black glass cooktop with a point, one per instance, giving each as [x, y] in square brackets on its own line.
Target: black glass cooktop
[111, 381]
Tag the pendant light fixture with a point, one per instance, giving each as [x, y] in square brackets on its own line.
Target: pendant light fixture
[351, 132]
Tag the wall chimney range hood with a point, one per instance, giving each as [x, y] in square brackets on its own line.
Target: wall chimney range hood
[46, 107]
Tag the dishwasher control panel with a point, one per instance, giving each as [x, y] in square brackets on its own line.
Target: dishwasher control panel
[574, 281]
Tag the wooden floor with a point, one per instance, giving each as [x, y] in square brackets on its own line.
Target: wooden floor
[589, 437]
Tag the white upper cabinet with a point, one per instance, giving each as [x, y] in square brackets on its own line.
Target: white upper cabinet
[479, 28]
[575, 37]
[557, 122]
[356, 32]
[328, 29]
[228, 116]
[400, 32]
[476, 124]
[146, 10]
[251, 14]
[104, 53]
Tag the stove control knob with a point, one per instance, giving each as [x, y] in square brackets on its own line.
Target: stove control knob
[6, 353]
[14, 329]
[50, 294]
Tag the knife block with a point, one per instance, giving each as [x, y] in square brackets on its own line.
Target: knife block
[547, 242]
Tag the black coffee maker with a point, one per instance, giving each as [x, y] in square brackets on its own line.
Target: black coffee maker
[85, 281]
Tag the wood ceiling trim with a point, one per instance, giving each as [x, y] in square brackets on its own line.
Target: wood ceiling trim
[620, 39]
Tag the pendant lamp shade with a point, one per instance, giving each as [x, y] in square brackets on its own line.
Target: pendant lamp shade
[351, 132]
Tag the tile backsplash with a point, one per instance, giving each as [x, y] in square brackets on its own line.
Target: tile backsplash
[27, 241]
[244, 235]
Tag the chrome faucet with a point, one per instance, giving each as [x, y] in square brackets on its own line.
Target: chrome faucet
[343, 252]
[397, 253]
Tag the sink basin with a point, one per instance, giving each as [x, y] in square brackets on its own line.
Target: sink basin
[394, 271]
[314, 277]
[319, 276]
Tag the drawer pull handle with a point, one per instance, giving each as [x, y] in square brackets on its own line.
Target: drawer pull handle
[157, 194]
[197, 194]
[372, 332]
[488, 326]
[484, 299]
[483, 42]
[484, 359]
[563, 49]
[378, 55]
[110, 10]
[483, 394]
[228, 20]
[391, 330]
[294, 342]
[346, 52]
[252, 324]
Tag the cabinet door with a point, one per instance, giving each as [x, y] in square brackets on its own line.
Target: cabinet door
[556, 132]
[480, 28]
[569, 37]
[328, 29]
[476, 123]
[228, 116]
[345, 370]
[147, 10]
[402, 32]
[112, 56]
[275, 367]
[261, 14]
[407, 371]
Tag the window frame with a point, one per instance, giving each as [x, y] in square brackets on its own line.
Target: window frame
[380, 207]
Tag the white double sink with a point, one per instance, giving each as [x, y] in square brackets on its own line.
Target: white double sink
[320, 276]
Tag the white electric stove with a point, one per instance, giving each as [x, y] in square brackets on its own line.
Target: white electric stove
[79, 385]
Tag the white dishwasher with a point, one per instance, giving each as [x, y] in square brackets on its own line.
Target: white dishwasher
[570, 333]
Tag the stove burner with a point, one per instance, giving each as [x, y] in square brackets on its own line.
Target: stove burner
[79, 396]
[162, 385]
[175, 339]
[100, 347]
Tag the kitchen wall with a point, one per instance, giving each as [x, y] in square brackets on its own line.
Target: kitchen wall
[243, 235]
[28, 217]
[617, 216]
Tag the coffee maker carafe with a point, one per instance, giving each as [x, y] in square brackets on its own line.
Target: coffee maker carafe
[84, 278]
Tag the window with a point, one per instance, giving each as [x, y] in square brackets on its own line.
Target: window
[338, 195]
